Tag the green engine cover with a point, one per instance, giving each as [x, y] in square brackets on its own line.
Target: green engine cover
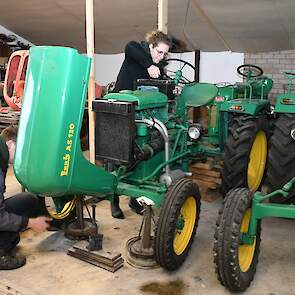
[48, 156]
[147, 103]
[143, 99]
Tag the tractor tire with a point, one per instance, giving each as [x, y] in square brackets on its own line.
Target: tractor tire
[245, 153]
[235, 263]
[177, 224]
[281, 159]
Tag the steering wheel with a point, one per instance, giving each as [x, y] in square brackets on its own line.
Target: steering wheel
[249, 71]
[223, 84]
[290, 75]
[177, 75]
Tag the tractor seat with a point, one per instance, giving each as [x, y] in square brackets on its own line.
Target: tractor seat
[198, 94]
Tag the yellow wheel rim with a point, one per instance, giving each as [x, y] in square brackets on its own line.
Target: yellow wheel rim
[65, 212]
[257, 161]
[246, 252]
[185, 225]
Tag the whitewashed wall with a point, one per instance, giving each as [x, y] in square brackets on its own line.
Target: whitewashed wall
[107, 67]
[218, 67]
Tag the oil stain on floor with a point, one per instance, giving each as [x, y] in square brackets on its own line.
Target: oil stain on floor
[176, 287]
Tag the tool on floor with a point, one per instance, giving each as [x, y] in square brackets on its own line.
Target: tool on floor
[95, 240]
[86, 229]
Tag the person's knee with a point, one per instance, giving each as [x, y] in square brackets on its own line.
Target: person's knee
[25, 204]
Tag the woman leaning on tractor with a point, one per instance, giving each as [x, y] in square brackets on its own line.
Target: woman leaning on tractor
[143, 60]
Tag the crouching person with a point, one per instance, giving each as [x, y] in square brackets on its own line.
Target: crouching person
[17, 212]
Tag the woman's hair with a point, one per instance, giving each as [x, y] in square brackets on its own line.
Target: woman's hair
[155, 37]
[9, 133]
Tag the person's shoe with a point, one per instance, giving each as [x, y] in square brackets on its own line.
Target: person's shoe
[12, 261]
[116, 210]
[135, 206]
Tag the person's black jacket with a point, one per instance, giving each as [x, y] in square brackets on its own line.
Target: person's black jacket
[137, 60]
[8, 221]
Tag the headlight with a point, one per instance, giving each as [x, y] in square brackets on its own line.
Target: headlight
[194, 132]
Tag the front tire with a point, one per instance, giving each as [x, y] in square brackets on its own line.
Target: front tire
[281, 158]
[177, 224]
[235, 263]
[245, 153]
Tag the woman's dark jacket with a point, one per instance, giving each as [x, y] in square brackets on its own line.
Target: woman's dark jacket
[137, 60]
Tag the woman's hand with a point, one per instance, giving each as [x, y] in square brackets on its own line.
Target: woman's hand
[154, 71]
[39, 224]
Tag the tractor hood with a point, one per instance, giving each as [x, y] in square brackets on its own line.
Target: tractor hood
[198, 94]
[48, 158]
[142, 99]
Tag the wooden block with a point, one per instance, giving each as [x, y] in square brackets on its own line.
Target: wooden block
[207, 178]
[102, 258]
[205, 184]
[207, 175]
[201, 116]
[206, 165]
[111, 268]
[213, 173]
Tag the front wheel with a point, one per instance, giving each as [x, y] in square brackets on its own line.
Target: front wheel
[235, 262]
[177, 224]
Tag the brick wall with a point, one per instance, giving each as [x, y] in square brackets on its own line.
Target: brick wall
[274, 64]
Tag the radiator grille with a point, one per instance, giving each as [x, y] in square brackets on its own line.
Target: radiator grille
[114, 131]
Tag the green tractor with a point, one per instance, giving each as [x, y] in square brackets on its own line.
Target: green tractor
[144, 141]
[238, 227]
[237, 130]
[241, 128]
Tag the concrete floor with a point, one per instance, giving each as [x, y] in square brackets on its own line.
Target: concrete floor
[50, 271]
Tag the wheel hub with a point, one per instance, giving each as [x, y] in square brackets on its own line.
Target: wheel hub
[180, 223]
[184, 225]
[257, 161]
[246, 252]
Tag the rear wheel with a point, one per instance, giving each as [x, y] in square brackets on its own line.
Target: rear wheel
[281, 160]
[245, 153]
[177, 224]
[235, 262]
